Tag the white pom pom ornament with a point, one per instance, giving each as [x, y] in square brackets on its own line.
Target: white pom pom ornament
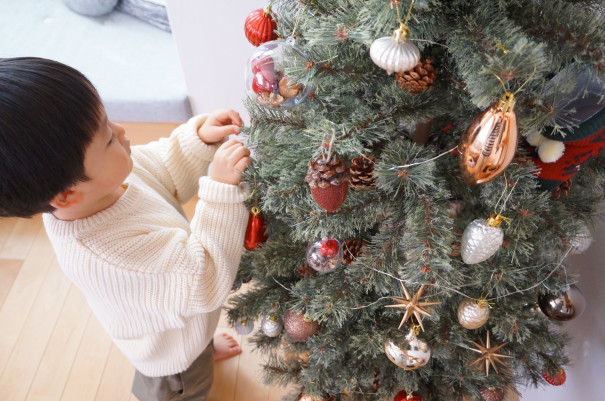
[549, 151]
[393, 53]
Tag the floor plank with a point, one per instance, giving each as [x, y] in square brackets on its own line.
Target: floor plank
[116, 382]
[56, 363]
[25, 357]
[6, 227]
[21, 238]
[23, 293]
[89, 364]
[9, 270]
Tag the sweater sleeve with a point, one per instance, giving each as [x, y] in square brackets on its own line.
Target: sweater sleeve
[178, 161]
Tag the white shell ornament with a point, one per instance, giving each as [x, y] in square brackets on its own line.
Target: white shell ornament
[393, 53]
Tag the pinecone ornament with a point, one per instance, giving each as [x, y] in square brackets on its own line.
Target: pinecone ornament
[329, 182]
[362, 172]
[418, 79]
[481, 239]
[352, 249]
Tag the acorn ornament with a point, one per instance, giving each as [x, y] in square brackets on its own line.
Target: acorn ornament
[260, 26]
[472, 313]
[490, 142]
[328, 178]
[481, 239]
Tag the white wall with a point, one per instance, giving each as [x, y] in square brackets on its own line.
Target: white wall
[214, 50]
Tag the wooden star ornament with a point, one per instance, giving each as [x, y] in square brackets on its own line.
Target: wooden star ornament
[488, 353]
[412, 306]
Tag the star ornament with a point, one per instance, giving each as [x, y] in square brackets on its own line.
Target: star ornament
[488, 353]
[412, 306]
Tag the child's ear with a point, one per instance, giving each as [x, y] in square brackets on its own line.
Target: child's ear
[67, 198]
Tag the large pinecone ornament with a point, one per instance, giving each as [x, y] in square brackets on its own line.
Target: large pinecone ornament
[418, 79]
[362, 172]
[329, 182]
[481, 239]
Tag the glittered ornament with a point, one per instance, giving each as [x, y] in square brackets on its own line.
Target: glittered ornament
[272, 325]
[490, 142]
[566, 306]
[244, 326]
[267, 79]
[404, 396]
[556, 377]
[299, 327]
[473, 314]
[581, 241]
[260, 26]
[255, 231]
[325, 255]
[393, 53]
[409, 353]
[481, 239]
[491, 393]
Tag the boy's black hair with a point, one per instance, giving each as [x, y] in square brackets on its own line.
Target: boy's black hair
[49, 113]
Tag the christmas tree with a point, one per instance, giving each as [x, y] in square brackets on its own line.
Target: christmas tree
[422, 170]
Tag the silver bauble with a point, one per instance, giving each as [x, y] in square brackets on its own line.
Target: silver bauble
[244, 326]
[393, 53]
[410, 353]
[480, 241]
[567, 306]
[472, 314]
[272, 325]
[580, 242]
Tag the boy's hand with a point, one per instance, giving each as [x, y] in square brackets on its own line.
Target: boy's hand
[219, 124]
[230, 160]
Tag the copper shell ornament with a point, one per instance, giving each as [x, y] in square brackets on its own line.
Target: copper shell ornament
[490, 142]
[260, 26]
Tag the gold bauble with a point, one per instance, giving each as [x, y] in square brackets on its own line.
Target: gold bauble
[489, 144]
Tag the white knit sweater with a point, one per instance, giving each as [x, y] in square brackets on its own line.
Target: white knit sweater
[156, 282]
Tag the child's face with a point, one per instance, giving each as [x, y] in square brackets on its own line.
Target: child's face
[107, 161]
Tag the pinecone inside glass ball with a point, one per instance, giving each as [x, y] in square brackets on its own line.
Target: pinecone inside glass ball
[418, 79]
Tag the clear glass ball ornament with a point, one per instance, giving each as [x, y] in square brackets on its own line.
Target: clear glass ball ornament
[269, 75]
[409, 353]
[325, 255]
[244, 326]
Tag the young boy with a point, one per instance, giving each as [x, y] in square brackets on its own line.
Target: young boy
[155, 281]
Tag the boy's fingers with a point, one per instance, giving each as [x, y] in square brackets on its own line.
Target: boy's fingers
[226, 116]
[230, 144]
[243, 164]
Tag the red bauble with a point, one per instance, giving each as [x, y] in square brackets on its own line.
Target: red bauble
[329, 247]
[332, 197]
[264, 81]
[255, 231]
[262, 62]
[260, 26]
[556, 378]
[403, 396]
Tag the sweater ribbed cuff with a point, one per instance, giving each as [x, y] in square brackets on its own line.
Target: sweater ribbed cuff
[218, 192]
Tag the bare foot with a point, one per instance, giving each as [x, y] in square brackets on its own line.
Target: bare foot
[225, 347]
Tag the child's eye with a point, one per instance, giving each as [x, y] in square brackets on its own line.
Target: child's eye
[113, 138]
